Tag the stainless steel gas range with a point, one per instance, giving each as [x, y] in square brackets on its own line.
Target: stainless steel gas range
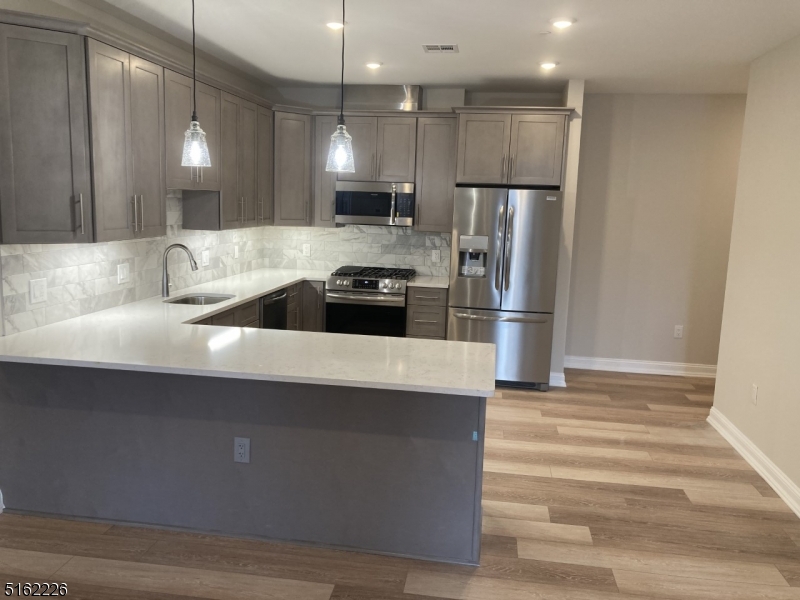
[367, 301]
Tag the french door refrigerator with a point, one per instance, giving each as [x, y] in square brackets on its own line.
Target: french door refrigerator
[503, 269]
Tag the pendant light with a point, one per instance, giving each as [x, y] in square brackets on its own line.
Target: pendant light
[340, 155]
[195, 147]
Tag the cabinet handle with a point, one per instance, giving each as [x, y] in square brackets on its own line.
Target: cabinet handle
[202, 177]
[504, 168]
[426, 297]
[241, 209]
[80, 200]
[372, 168]
[141, 201]
[424, 321]
[380, 164]
[135, 213]
[511, 172]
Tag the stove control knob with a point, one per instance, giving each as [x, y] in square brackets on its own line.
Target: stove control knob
[338, 282]
[346, 282]
[397, 286]
[383, 285]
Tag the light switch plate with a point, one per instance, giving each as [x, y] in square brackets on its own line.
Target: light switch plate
[205, 258]
[306, 249]
[123, 273]
[235, 251]
[436, 256]
[678, 334]
[38, 290]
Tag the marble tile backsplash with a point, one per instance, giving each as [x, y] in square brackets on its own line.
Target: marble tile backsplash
[82, 278]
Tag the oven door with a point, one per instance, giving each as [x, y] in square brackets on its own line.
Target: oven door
[365, 314]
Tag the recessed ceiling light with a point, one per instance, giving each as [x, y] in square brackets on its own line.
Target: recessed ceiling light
[562, 23]
[335, 25]
[374, 65]
[548, 65]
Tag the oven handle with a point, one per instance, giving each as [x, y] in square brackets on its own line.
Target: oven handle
[503, 319]
[366, 298]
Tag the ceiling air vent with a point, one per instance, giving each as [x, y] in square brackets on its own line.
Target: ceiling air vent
[440, 48]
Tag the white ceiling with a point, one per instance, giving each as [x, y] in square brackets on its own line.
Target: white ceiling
[646, 46]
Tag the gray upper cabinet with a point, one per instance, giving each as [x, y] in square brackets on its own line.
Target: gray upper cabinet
[435, 173]
[264, 167]
[292, 168]
[126, 96]
[178, 113]
[45, 187]
[149, 152]
[248, 159]
[324, 181]
[396, 149]
[112, 160]
[483, 144]
[537, 149]
[232, 204]
[364, 131]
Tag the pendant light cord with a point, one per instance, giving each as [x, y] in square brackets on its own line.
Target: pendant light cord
[341, 109]
[194, 70]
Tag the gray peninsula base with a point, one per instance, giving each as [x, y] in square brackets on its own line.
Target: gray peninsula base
[392, 472]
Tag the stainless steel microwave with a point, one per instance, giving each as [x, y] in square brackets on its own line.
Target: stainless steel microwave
[374, 203]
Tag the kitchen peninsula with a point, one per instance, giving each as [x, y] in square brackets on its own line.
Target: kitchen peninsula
[130, 415]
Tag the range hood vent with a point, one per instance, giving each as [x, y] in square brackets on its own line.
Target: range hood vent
[382, 97]
[440, 48]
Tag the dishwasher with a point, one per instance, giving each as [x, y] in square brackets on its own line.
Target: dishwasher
[273, 310]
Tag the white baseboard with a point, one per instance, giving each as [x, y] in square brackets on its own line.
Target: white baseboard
[639, 366]
[557, 380]
[777, 479]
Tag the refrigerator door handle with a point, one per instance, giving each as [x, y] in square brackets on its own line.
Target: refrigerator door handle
[503, 319]
[499, 249]
[509, 240]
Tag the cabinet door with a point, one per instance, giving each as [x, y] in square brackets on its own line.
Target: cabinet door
[364, 131]
[149, 160]
[397, 148]
[112, 164]
[230, 193]
[264, 190]
[483, 143]
[292, 168]
[324, 181]
[44, 138]
[436, 173]
[313, 301]
[537, 149]
[178, 114]
[248, 151]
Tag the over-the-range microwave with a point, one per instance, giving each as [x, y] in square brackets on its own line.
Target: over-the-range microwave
[374, 203]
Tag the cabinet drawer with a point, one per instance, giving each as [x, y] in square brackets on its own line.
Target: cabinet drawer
[247, 313]
[293, 294]
[226, 319]
[427, 296]
[426, 321]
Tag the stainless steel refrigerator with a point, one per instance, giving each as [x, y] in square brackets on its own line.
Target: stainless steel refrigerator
[503, 277]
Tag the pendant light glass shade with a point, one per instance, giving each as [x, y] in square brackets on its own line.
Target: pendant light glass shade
[340, 155]
[195, 147]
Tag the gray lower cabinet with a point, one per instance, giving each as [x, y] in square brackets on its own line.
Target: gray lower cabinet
[426, 312]
[178, 113]
[483, 144]
[246, 315]
[313, 302]
[294, 306]
[396, 149]
[126, 96]
[537, 149]
[324, 181]
[264, 168]
[292, 169]
[45, 186]
[435, 173]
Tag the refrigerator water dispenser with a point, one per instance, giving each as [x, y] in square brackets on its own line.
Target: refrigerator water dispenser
[472, 254]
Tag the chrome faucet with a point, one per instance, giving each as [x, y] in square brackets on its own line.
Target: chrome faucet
[165, 276]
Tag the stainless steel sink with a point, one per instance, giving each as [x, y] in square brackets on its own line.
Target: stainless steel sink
[200, 299]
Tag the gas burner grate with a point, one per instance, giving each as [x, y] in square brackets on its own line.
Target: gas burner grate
[375, 273]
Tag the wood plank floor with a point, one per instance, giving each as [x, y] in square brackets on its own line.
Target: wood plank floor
[613, 488]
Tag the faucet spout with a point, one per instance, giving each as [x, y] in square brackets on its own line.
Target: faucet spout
[165, 275]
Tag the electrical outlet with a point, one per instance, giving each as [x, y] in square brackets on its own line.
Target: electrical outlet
[306, 249]
[123, 273]
[205, 258]
[235, 251]
[678, 334]
[754, 394]
[38, 290]
[436, 256]
[241, 450]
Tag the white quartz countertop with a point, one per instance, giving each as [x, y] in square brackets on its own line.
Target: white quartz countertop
[428, 281]
[153, 336]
